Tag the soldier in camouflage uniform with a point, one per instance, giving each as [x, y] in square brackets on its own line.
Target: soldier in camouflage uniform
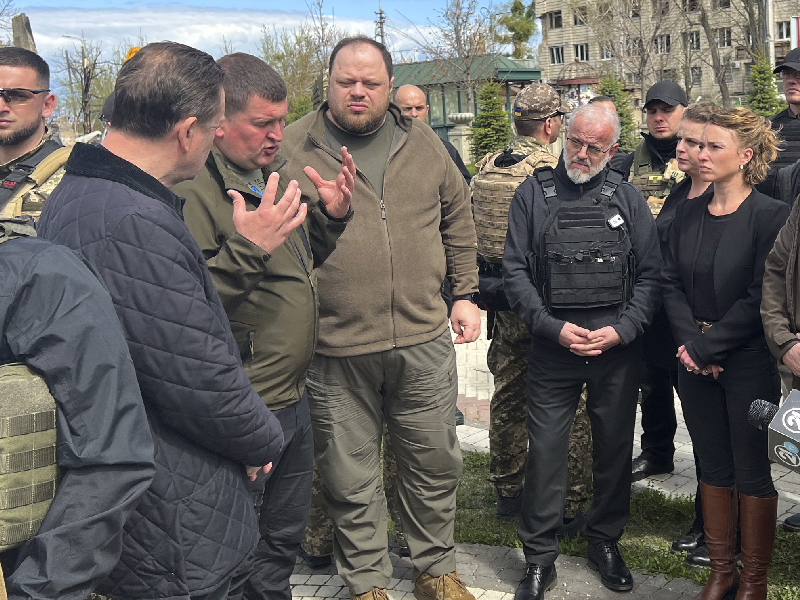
[538, 113]
[24, 138]
[654, 170]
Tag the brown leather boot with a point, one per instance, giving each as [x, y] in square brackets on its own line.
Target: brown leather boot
[758, 516]
[373, 594]
[720, 516]
[444, 587]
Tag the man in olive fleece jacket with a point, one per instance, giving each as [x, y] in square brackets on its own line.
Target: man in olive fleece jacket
[385, 352]
[268, 294]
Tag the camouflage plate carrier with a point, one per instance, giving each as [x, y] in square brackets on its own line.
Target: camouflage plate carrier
[28, 467]
[655, 185]
[494, 186]
[30, 183]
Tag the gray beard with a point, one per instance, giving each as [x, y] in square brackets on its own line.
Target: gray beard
[15, 138]
[580, 177]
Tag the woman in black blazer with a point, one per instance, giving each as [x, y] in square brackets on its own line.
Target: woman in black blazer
[712, 292]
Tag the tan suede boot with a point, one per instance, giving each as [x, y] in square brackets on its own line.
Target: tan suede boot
[444, 587]
[758, 516]
[373, 594]
[720, 515]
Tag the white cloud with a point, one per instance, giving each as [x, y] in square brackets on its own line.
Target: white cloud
[202, 28]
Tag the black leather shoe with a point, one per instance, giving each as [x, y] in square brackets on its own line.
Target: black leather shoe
[315, 562]
[644, 466]
[698, 557]
[538, 580]
[792, 523]
[689, 542]
[508, 507]
[614, 573]
[459, 416]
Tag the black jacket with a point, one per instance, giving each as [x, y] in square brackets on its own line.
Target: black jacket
[51, 305]
[196, 522]
[528, 213]
[738, 273]
[789, 125]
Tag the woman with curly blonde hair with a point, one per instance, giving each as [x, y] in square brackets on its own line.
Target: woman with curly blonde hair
[712, 293]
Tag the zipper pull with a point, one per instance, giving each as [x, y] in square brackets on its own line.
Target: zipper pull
[383, 210]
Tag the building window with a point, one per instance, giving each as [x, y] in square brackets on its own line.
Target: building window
[554, 19]
[727, 73]
[580, 16]
[723, 37]
[721, 4]
[661, 44]
[691, 40]
[691, 5]
[697, 75]
[661, 7]
[582, 52]
[635, 8]
[606, 53]
[782, 30]
[669, 74]
[556, 55]
[634, 46]
[633, 78]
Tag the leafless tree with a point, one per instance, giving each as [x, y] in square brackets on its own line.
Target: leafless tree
[463, 31]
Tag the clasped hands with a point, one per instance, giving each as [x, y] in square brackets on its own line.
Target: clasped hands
[583, 342]
[692, 367]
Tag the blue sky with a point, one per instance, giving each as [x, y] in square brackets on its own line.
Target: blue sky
[203, 23]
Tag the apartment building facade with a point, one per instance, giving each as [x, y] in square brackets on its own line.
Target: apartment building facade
[644, 41]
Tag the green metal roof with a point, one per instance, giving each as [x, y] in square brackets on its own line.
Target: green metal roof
[487, 67]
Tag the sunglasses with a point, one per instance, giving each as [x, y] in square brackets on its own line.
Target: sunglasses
[594, 151]
[18, 96]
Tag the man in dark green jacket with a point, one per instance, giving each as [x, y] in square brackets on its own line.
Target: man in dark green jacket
[268, 289]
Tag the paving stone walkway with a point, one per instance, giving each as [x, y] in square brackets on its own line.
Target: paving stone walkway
[492, 573]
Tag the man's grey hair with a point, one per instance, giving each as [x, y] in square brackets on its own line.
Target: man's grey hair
[596, 112]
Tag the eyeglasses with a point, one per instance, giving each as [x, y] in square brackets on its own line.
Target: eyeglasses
[788, 73]
[591, 150]
[18, 96]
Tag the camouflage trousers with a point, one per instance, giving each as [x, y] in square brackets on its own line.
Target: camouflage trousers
[508, 413]
[318, 539]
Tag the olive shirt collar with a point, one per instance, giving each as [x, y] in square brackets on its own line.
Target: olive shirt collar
[231, 180]
[6, 168]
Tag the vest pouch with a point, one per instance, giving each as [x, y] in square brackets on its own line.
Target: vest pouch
[28, 467]
[586, 281]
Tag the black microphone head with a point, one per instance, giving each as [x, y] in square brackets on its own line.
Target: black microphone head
[761, 414]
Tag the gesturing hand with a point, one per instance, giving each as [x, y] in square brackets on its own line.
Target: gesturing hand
[270, 224]
[336, 194]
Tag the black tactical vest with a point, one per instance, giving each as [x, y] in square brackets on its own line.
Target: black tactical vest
[582, 260]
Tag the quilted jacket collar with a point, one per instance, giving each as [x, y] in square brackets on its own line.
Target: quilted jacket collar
[95, 161]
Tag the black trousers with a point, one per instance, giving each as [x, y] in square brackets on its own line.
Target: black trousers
[283, 500]
[554, 388]
[730, 449]
[659, 422]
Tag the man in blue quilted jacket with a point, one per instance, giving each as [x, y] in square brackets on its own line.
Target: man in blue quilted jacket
[196, 523]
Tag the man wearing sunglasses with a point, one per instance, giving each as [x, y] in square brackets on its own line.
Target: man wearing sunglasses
[581, 269]
[31, 158]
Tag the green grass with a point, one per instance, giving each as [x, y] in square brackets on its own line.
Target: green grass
[655, 521]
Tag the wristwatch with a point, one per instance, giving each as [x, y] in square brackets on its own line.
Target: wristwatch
[474, 297]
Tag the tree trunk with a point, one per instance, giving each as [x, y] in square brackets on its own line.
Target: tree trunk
[716, 60]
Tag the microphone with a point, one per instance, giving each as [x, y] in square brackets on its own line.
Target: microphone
[783, 428]
[761, 414]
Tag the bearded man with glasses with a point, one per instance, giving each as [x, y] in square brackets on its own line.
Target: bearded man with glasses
[31, 158]
[581, 268]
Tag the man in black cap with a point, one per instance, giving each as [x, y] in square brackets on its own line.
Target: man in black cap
[788, 121]
[654, 170]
